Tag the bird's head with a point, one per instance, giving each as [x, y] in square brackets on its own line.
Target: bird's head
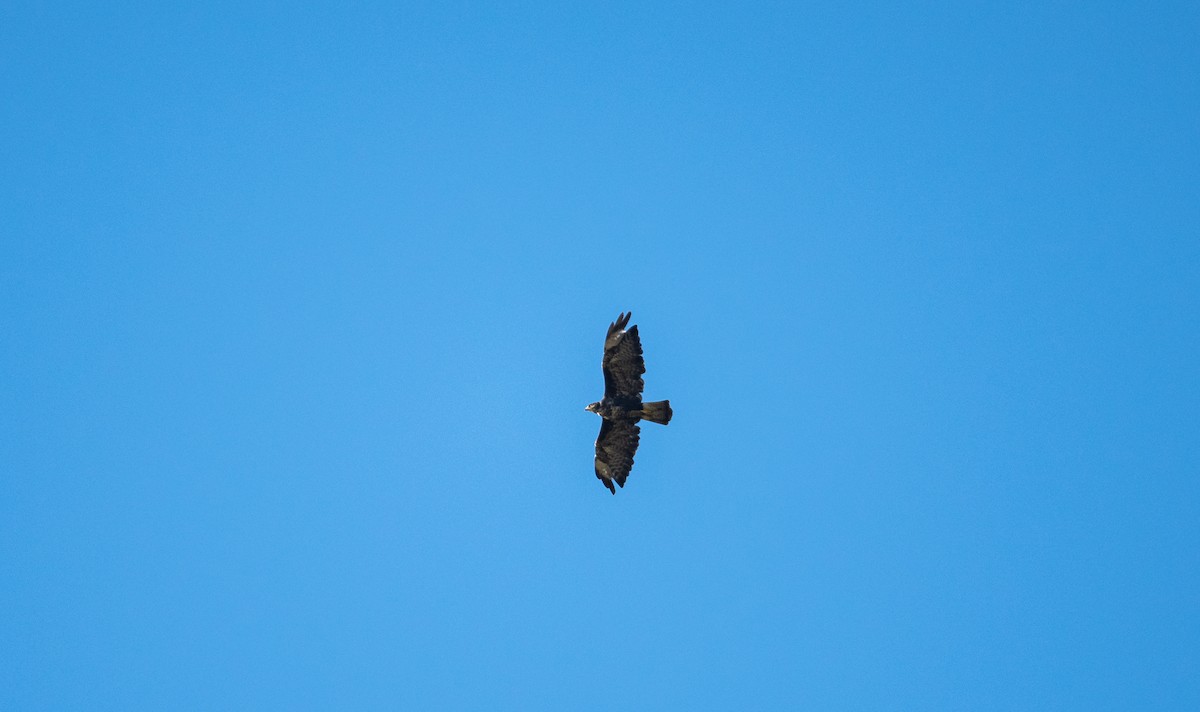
[593, 407]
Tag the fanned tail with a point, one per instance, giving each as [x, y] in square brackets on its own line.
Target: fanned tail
[657, 411]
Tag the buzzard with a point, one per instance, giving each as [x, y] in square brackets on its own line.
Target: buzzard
[622, 406]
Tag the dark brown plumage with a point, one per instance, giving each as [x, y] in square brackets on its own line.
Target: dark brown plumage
[622, 406]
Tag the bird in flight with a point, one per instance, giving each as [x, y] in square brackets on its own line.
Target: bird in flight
[622, 406]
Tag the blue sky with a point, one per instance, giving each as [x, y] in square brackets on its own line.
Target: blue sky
[302, 305]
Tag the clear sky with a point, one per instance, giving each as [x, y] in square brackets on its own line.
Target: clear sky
[300, 307]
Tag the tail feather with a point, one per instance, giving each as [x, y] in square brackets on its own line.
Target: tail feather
[657, 411]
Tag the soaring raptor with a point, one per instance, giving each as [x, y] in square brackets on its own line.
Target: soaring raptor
[622, 406]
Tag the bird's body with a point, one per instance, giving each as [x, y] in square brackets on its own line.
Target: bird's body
[611, 409]
[622, 406]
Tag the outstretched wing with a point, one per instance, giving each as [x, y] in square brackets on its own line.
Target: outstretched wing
[615, 447]
[623, 365]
